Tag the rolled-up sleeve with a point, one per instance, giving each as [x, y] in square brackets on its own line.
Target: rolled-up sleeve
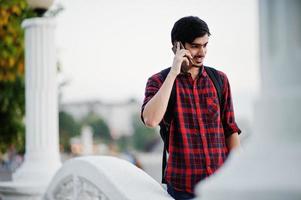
[228, 116]
[152, 86]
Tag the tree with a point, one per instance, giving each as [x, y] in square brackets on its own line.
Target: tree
[12, 98]
[68, 128]
[124, 143]
[100, 128]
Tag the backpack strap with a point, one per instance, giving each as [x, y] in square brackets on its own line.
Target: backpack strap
[164, 160]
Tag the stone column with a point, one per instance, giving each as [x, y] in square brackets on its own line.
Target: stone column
[269, 167]
[42, 157]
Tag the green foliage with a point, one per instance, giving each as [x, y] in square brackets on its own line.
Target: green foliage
[142, 136]
[68, 124]
[100, 128]
[124, 143]
[12, 98]
[11, 115]
[12, 13]
[68, 128]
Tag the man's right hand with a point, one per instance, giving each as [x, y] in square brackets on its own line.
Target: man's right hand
[181, 55]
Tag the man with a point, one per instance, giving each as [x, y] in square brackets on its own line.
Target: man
[202, 132]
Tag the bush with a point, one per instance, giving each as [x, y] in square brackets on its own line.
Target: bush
[12, 98]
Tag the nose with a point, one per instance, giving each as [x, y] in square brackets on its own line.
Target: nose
[202, 51]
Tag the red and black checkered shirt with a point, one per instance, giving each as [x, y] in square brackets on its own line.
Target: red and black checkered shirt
[197, 146]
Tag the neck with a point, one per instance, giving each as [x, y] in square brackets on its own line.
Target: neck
[194, 71]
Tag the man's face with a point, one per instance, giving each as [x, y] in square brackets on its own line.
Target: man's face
[198, 49]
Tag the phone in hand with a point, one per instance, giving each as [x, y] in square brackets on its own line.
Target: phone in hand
[184, 64]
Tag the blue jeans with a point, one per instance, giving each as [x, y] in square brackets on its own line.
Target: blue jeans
[179, 195]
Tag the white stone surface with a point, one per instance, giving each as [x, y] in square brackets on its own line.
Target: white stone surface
[152, 164]
[105, 178]
[269, 167]
[21, 191]
[42, 158]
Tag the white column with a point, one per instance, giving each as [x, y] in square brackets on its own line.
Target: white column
[42, 151]
[269, 168]
[42, 158]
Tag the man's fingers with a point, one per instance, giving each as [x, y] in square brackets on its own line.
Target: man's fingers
[186, 60]
[178, 46]
[188, 54]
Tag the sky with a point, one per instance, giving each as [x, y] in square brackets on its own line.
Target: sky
[108, 49]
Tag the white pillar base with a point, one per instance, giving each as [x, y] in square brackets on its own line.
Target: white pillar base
[38, 170]
[21, 191]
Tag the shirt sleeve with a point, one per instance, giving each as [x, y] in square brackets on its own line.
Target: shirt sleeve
[152, 86]
[228, 117]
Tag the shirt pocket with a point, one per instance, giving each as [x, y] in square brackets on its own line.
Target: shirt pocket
[212, 110]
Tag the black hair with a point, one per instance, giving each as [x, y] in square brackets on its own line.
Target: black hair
[188, 28]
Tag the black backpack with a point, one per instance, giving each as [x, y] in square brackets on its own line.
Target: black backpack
[165, 125]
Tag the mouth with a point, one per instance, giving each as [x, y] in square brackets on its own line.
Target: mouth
[198, 60]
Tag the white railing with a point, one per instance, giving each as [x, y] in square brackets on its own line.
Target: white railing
[103, 178]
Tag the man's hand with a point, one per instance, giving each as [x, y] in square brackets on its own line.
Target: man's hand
[181, 55]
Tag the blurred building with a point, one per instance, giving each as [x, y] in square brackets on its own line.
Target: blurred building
[118, 116]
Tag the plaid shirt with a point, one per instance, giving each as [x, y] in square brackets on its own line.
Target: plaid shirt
[197, 146]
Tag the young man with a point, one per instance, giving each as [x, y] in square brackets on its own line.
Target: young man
[202, 132]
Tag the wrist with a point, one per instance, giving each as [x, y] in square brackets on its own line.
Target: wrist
[172, 74]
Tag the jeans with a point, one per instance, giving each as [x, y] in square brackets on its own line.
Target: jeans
[179, 195]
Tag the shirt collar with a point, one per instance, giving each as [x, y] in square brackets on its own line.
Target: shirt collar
[202, 72]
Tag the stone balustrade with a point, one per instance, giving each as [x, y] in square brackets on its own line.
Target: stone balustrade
[105, 178]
